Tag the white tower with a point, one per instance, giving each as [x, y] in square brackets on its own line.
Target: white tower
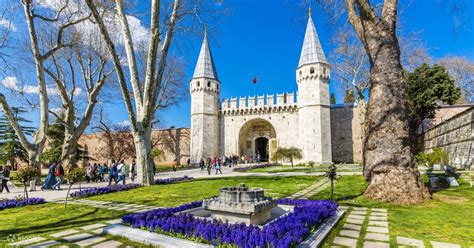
[312, 76]
[204, 89]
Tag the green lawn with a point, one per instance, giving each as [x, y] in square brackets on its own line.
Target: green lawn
[307, 169]
[42, 220]
[184, 192]
[449, 217]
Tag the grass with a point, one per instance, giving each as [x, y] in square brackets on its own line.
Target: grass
[304, 168]
[180, 193]
[165, 167]
[42, 220]
[448, 217]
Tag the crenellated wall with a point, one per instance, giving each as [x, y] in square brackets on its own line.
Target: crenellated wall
[263, 103]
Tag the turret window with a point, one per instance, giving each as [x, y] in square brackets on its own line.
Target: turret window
[217, 86]
[311, 70]
[324, 71]
[198, 84]
[208, 83]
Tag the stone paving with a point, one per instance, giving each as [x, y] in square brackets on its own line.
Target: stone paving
[311, 190]
[85, 236]
[133, 208]
[376, 228]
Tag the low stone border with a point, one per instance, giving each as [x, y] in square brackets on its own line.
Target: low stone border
[151, 238]
[317, 238]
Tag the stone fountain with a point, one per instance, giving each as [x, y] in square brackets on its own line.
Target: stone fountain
[241, 204]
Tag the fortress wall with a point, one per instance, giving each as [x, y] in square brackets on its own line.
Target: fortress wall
[255, 102]
[346, 133]
[454, 135]
[174, 143]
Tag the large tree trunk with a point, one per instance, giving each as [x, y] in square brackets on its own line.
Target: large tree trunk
[389, 167]
[144, 157]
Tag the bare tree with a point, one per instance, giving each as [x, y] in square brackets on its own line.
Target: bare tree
[41, 53]
[462, 71]
[153, 91]
[118, 139]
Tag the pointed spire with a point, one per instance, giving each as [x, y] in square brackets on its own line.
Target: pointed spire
[205, 64]
[312, 52]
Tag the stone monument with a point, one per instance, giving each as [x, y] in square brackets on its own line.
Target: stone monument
[241, 204]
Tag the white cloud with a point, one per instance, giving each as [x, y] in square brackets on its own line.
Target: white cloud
[11, 83]
[125, 123]
[91, 34]
[7, 24]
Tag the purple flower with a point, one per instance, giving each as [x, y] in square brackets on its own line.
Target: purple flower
[286, 231]
[258, 166]
[172, 180]
[103, 190]
[20, 203]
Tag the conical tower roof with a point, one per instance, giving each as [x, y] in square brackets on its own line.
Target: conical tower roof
[312, 52]
[205, 64]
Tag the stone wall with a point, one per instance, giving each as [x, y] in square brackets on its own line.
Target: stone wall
[454, 135]
[174, 143]
[346, 133]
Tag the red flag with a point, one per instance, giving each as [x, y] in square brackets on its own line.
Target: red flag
[255, 79]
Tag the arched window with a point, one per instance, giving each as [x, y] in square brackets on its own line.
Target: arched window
[301, 73]
[217, 86]
[311, 70]
[208, 83]
[285, 98]
[198, 84]
[324, 71]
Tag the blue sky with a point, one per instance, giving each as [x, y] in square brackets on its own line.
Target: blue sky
[264, 38]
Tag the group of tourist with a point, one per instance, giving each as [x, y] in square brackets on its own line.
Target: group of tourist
[4, 178]
[55, 177]
[116, 172]
[94, 173]
[217, 163]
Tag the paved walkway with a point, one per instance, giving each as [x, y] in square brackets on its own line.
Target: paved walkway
[90, 236]
[133, 208]
[312, 190]
[54, 195]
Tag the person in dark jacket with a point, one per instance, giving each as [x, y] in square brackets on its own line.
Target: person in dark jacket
[113, 173]
[5, 177]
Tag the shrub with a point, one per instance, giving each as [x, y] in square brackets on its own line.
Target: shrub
[25, 174]
[437, 156]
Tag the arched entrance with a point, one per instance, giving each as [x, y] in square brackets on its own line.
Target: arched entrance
[261, 149]
[255, 138]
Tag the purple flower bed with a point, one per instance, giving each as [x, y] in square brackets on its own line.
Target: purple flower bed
[103, 190]
[173, 180]
[286, 231]
[257, 166]
[20, 203]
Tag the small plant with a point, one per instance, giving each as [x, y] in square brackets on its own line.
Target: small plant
[24, 175]
[74, 175]
[288, 154]
[332, 175]
[437, 156]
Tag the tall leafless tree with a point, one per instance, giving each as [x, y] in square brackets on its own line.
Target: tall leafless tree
[41, 54]
[462, 71]
[152, 91]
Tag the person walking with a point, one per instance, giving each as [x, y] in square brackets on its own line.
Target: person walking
[59, 173]
[113, 173]
[209, 166]
[5, 177]
[121, 172]
[218, 165]
[89, 173]
[201, 164]
[50, 178]
[174, 165]
[133, 171]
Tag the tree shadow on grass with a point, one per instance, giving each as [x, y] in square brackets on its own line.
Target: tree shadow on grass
[58, 225]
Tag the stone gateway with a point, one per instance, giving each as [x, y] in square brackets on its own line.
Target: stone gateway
[256, 126]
